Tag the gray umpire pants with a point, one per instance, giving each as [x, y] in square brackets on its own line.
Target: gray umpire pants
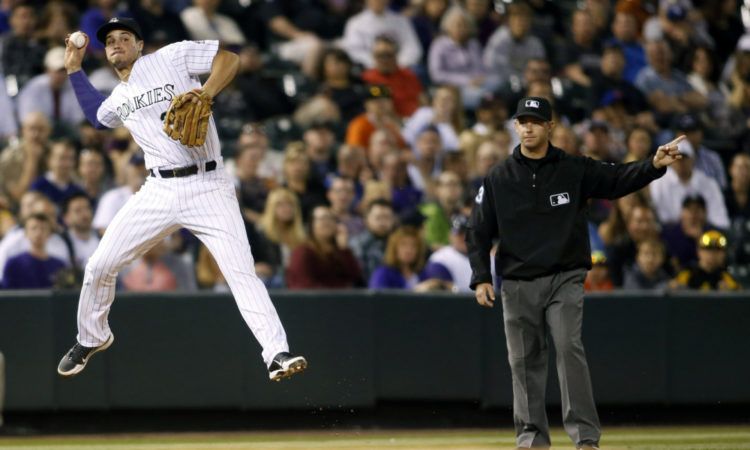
[533, 310]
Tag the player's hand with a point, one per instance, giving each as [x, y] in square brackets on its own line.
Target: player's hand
[485, 294]
[74, 55]
[668, 153]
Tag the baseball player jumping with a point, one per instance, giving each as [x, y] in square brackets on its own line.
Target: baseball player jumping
[535, 204]
[161, 102]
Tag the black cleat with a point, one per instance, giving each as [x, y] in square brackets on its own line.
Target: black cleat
[76, 358]
[284, 365]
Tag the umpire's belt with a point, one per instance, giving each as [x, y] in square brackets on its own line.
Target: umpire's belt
[183, 171]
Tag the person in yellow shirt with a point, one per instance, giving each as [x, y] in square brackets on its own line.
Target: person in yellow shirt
[709, 274]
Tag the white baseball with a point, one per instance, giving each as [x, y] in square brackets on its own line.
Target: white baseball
[78, 39]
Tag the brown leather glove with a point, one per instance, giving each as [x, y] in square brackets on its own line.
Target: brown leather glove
[187, 118]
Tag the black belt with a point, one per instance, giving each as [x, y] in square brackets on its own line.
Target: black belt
[183, 171]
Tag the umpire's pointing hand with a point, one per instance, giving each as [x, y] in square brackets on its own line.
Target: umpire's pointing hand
[485, 294]
[668, 153]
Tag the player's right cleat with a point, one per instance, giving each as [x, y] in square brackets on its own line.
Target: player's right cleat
[284, 365]
[76, 358]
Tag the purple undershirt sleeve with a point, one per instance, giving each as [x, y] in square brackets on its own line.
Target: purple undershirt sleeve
[88, 97]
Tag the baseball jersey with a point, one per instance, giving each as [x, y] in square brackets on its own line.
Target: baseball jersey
[140, 103]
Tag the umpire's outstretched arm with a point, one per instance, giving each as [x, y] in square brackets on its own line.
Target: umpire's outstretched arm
[606, 180]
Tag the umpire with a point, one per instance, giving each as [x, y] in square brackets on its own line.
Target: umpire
[534, 204]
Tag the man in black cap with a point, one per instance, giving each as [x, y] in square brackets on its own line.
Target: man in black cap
[534, 203]
[187, 187]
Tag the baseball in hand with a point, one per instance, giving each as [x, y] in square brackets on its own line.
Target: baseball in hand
[78, 39]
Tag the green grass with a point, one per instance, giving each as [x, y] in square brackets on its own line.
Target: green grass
[640, 438]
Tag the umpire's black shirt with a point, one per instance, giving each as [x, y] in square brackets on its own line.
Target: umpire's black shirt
[538, 210]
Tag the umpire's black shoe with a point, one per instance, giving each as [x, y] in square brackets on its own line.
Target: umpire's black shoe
[76, 358]
[284, 365]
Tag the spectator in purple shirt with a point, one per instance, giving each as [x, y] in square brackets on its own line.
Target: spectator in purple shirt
[404, 263]
[34, 269]
[455, 58]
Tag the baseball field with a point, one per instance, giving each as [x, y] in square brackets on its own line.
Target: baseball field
[641, 438]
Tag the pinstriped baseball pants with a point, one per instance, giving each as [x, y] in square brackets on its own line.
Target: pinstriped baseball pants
[204, 203]
[533, 311]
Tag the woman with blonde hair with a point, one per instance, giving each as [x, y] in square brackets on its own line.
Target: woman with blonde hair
[404, 264]
[281, 231]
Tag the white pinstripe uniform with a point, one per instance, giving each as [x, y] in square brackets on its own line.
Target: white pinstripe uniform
[204, 203]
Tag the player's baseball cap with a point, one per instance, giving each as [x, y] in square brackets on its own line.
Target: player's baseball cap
[676, 12]
[538, 107]
[119, 23]
[598, 258]
[686, 122]
[712, 239]
[375, 91]
[490, 101]
[694, 199]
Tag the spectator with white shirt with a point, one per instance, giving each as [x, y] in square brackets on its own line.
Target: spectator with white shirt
[77, 216]
[376, 20]
[453, 258]
[115, 198]
[683, 179]
[444, 112]
[706, 160]
[52, 94]
[8, 123]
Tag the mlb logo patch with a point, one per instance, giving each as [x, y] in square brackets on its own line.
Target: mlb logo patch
[532, 104]
[559, 199]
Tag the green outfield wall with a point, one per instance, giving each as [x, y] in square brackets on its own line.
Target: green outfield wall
[193, 351]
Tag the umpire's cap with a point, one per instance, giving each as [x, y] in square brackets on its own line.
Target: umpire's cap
[538, 107]
[118, 23]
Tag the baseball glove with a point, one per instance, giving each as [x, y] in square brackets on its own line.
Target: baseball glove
[187, 118]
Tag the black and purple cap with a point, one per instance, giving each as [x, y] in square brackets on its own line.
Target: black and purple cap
[686, 122]
[118, 23]
[538, 107]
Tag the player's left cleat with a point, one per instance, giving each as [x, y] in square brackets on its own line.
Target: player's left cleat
[284, 365]
[76, 358]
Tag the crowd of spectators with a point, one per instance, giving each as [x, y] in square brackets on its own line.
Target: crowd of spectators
[358, 132]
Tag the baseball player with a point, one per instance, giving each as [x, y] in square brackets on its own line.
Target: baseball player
[187, 186]
[534, 203]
